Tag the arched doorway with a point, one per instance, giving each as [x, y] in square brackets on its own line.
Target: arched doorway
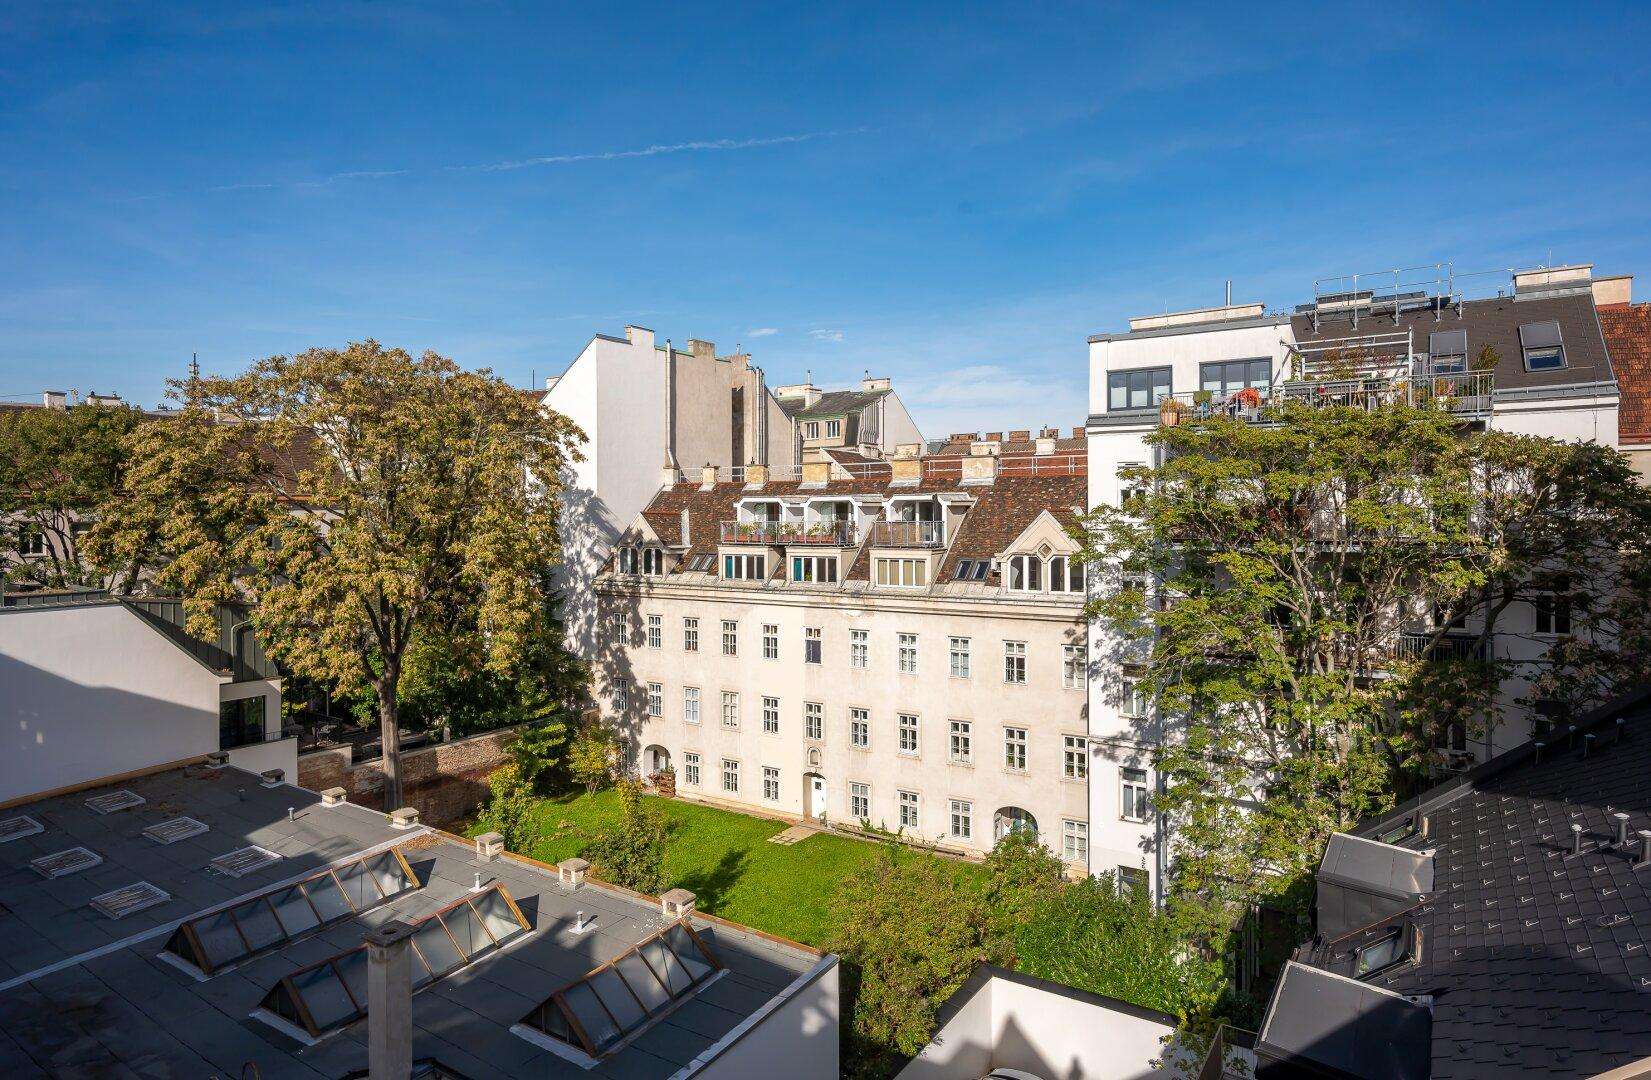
[1010, 819]
[814, 787]
[655, 759]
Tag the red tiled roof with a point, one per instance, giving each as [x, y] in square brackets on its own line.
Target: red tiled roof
[1627, 329]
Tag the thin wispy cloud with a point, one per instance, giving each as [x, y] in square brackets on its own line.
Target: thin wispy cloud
[762, 331]
[826, 335]
[694, 147]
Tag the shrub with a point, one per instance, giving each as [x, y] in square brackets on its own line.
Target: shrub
[591, 757]
[631, 852]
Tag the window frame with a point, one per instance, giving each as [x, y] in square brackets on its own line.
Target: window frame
[910, 801]
[906, 646]
[814, 721]
[960, 810]
[859, 649]
[730, 637]
[1128, 376]
[859, 728]
[690, 768]
[770, 784]
[1250, 367]
[813, 645]
[958, 649]
[656, 699]
[1015, 753]
[770, 715]
[960, 734]
[691, 716]
[1075, 834]
[913, 729]
[731, 770]
[1556, 350]
[770, 641]
[1134, 795]
[1014, 662]
[859, 800]
[730, 710]
[1074, 757]
[656, 631]
[690, 633]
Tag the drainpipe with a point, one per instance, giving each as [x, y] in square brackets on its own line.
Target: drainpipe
[389, 1002]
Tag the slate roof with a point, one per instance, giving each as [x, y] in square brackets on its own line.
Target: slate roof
[1627, 330]
[1538, 961]
[80, 997]
[836, 403]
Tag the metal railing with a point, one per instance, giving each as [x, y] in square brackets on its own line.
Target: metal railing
[824, 533]
[1459, 391]
[1414, 646]
[1231, 1056]
[908, 534]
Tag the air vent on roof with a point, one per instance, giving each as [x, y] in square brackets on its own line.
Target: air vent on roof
[179, 828]
[121, 902]
[63, 863]
[113, 801]
[15, 828]
[244, 861]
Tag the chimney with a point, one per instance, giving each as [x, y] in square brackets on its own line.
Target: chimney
[640, 335]
[571, 872]
[993, 436]
[489, 846]
[55, 399]
[668, 476]
[756, 475]
[707, 477]
[1614, 290]
[870, 385]
[1224, 313]
[676, 904]
[702, 350]
[1077, 433]
[1045, 445]
[1020, 436]
[685, 522]
[389, 1002]
[905, 470]
[980, 467]
[1548, 278]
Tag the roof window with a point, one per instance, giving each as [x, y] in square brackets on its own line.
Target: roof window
[1544, 351]
[1447, 351]
[702, 563]
[244, 861]
[1390, 950]
[973, 569]
[64, 863]
[179, 828]
[15, 828]
[113, 801]
[129, 899]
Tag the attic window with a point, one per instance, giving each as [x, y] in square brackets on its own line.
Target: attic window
[244, 861]
[1398, 834]
[1544, 351]
[113, 801]
[129, 899]
[64, 863]
[1375, 957]
[702, 563]
[1447, 351]
[15, 828]
[653, 561]
[601, 1010]
[180, 828]
[973, 569]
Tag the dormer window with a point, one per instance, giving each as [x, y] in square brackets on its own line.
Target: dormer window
[811, 429]
[1025, 573]
[628, 560]
[834, 429]
[1542, 345]
[653, 561]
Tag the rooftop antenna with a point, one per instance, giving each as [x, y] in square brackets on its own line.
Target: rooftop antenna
[194, 365]
[1229, 292]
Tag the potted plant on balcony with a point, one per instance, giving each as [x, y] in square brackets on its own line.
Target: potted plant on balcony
[1248, 398]
[1170, 412]
[664, 782]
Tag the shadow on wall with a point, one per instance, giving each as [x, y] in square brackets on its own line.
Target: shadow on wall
[588, 534]
[55, 732]
[618, 624]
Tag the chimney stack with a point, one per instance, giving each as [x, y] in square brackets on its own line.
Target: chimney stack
[389, 1002]
[55, 399]
[702, 350]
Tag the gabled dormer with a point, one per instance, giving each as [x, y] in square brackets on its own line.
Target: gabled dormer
[1042, 559]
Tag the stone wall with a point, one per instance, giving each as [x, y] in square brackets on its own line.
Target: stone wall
[444, 782]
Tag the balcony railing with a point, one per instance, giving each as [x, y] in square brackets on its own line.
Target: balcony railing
[1460, 391]
[823, 534]
[1414, 646]
[1231, 1055]
[908, 534]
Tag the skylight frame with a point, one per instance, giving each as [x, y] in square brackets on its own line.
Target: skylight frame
[115, 905]
[262, 859]
[16, 828]
[112, 802]
[538, 1020]
[89, 860]
[286, 990]
[187, 944]
[172, 830]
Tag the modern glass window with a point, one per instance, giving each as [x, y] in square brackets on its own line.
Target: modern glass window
[1074, 757]
[821, 568]
[1014, 661]
[908, 810]
[690, 704]
[962, 741]
[690, 769]
[811, 645]
[730, 775]
[770, 641]
[958, 654]
[1073, 668]
[859, 801]
[656, 699]
[859, 728]
[1131, 880]
[908, 733]
[1140, 389]
[859, 648]
[962, 819]
[1075, 841]
[1543, 349]
[730, 709]
[690, 634]
[771, 716]
[905, 573]
[730, 637]
[1384, 952]
[744, 567]
[1014, 749]
[240, 722]
[1553, 615]
[1227, 377]
[908, 654]
[813, 720]
[1447, 351]
[1132, 788]
[1133, 700]
[656, 631]
[770, 783]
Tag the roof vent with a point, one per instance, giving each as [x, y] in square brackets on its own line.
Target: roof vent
[123, 799]
[244, 861]
[15, 828]
[119, 903]
[64, 863]
[179, 828]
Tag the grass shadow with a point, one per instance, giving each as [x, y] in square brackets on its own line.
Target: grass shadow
[710, 887]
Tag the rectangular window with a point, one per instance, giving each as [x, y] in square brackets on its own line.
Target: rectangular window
[1132, 786]
[241, 722]
[770, 641]
[903, 573]
[771, 716]
[730, 709]
[813, 720]
[811, 645]
[690, 634]
[908, 810]
[744, 567]
[859, 801]
[834, 429]
[1382, 953]
[1141, 389]
[656, 699]
[730, 638]
[656, 631]
[730, 775]
[859, 729]
[1073, 667]
[1074, 757]
[811, 429]
[962, 742]
[690, 704]
[959, 654]
[908, 733]
[1131, 484]
[820, 568]
[1227, 377]
[908, 654]
[1553, 615]
[962, 819]
[1014, 661]
[1014, 749]
[1447, 351]
[1543, 349]
[859, 649]
[1132, 879]
[690, 769]
[1133, 700]
[770, 784]
[1075, 841]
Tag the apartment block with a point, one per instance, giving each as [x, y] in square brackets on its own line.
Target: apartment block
[891, 644]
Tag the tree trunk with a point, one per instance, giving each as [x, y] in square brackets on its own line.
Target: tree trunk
[389, 735]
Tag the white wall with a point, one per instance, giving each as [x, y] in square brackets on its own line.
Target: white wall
[91, 691]
[1183, 353]
[797, 1039]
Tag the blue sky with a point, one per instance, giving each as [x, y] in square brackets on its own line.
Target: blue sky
[954, 196]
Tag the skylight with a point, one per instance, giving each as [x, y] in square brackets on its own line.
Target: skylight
[179, 828]
[15, 828]
[63, 863]
[333, 993]
[244, 861]
[270, 920]
[973, 569]
[129, 899]
[597, 1012]
[114, 800]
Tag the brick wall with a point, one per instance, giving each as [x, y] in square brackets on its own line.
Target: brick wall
[444, 782]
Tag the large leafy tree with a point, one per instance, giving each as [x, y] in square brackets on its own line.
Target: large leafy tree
[57, 468]
[1261, 577]
[358, 498]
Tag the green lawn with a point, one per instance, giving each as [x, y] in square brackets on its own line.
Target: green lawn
[726, 860]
